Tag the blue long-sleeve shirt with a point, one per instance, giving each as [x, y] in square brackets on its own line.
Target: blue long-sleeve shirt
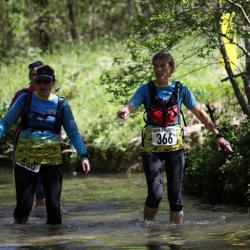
[42, 107]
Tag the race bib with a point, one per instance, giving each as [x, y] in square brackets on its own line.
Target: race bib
[31, 167]
[164, 136]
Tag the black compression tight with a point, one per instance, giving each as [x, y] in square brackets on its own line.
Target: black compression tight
[25, 181]
[174, 165]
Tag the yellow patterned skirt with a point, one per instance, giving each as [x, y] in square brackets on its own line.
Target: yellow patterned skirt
[38, 148]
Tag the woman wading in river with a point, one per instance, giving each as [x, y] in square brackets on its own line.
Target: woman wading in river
[162, 136]
[38, 148]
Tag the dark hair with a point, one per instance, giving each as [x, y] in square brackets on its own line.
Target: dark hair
[35, 65]
[45, 72]
[167, 56]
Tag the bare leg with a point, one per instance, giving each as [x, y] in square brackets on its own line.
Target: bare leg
[176, 217]
[149, 213]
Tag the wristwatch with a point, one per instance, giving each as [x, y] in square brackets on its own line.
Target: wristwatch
[219, 135]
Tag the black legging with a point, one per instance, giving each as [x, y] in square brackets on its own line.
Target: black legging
[25, 181]
[174, 164]
[39, 189]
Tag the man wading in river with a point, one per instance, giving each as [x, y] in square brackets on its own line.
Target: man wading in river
[162, 136]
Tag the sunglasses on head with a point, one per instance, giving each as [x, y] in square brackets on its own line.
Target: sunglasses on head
[45, 81]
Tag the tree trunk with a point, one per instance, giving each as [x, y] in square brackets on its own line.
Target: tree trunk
[71, 15]
[131, 9]
[42, 31]
[240, 97]
[233, 81]
[145, 11]
[247, 74]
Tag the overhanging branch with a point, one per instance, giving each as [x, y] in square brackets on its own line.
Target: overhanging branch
[241, 8]
[237, 44]
[198, 69]
[234, 76]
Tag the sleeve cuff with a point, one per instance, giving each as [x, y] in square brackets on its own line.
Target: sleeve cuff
[85, 156]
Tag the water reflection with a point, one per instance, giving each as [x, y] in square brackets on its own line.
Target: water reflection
[168, 238]
[74, 246]
[154, 242]
[161, 246]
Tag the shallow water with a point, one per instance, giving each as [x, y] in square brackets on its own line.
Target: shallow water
[105, 212]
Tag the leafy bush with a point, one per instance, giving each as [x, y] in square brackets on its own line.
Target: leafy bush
[218, 176]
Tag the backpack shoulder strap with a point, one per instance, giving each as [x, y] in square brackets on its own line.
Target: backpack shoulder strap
[152, 96]
[178, 88]
[152, 92]
[25, 90]
[26, 109]
[59, 113]
[176, 92]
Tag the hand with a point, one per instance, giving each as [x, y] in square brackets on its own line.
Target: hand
[85, 166]
[224, 144]
[123, 112]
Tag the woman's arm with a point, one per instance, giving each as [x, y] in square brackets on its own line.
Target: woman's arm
[71, 129]
[136, 100]
[12, 115]
[125, 111]
[204, 118]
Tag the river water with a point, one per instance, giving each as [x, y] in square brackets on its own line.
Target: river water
[105, 212]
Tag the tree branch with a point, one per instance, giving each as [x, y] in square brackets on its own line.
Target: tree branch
[187, 57]
[200, 68]
[237, 44]
[241, 8]
[234, 76]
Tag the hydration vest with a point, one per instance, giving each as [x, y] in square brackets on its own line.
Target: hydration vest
[164, 112]
[39, 139]
[26, 112]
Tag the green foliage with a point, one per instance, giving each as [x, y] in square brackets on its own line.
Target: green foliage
[218, 176]
[122, 80]
[28, 25]
[236, 169]
[13, 37]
